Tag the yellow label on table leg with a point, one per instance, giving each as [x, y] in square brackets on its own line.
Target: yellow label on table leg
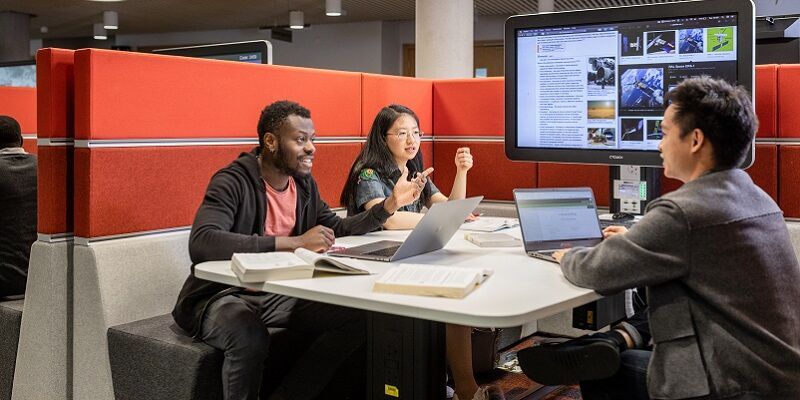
[391, 390]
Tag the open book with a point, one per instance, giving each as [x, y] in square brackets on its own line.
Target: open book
[280, 265]
[489, 224]
[431, 280]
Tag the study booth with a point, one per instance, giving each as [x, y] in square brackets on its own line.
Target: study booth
[129, 218]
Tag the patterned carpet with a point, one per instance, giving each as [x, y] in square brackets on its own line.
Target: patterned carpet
[517, 386]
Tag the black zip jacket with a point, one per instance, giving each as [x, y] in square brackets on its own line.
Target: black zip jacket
[231, 220]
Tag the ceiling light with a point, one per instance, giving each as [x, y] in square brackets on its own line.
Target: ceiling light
[100, 32]
[44, 29]
[296, 19]
[110, 20]
[333, 8]
[546, 6]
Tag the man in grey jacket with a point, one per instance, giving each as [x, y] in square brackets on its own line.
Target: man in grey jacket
[723, 281]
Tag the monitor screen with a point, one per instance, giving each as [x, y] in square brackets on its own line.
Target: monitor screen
[18, 74]
[256, 52]
[589, 86]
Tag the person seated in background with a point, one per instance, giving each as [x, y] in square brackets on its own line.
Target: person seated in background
[266, 200]
[17, 208]
[722, 278]
[392, 150]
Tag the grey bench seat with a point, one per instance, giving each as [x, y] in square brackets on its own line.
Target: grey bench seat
[10, 320]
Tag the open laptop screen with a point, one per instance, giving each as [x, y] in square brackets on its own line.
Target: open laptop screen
[562, 214]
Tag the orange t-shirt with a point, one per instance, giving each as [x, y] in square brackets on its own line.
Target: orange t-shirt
[281, 208]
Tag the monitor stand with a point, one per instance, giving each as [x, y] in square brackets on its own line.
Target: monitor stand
[632, 187]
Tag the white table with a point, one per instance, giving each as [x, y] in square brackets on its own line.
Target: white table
[522, 289]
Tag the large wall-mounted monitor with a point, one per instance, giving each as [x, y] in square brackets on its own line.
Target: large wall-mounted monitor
[589, 86]
[18, 73]
[256, 52]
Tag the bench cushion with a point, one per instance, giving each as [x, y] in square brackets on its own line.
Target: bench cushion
[10, 320]
[150, 360]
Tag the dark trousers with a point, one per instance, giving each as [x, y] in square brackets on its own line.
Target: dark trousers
[629, 383]
[237, 324]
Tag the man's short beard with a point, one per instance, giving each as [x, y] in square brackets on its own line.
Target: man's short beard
[279, 161]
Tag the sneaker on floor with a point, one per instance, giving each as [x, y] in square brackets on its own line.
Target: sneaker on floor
[488, 392]
[581, 359]
[449, 392]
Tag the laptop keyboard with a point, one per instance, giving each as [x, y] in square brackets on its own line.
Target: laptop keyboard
[387, 252]
[606, 223]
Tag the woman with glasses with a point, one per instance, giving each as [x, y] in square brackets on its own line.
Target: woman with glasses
[393, 145]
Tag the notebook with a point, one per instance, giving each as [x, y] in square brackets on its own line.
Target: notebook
[435, 229]
[557, 219]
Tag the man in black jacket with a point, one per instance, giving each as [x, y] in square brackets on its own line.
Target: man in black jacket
[266, 200]
[17, 208]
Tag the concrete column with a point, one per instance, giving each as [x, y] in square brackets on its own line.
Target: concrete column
[15, 36]
[444, 39]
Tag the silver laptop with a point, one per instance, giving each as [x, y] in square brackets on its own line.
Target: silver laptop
[557, 219]
[435, 229]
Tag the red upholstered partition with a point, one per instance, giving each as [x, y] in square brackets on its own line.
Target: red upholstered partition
[332, 162]
[378, 91]
[129, 187]
[54, 81]
[789, 180]
[492, 176]
[123, 95]
[469, 107]
[566, 175]
[788, 82]
[123, 190]
[20, 104]
[766, 100]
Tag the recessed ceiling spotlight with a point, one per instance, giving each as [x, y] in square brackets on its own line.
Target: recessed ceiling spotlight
[110, 20]
[100, 32]
[44, 29]
[333, 8]
[296, 19]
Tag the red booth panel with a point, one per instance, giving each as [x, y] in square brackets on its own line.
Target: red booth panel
[125, 190]
[30, 146]
[379, 91]
[573, 175]
[493, 175]
[19, 103]
[469, 107]
[55, 100]
[123, 95]
[54, 181]
[332, 162]
[788, 101]
[789, 178]
[766, 99]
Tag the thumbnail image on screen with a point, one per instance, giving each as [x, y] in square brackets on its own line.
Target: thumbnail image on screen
[603, 85]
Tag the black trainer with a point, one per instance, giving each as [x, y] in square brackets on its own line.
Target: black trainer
[581, 359]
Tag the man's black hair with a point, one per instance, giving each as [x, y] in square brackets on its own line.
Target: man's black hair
[274, 116]
[722, 111]
[10, 133]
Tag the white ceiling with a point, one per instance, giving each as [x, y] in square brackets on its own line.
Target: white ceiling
[74, 18]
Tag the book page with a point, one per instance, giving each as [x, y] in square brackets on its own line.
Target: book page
[430, 275]
[269, 260]
[489, 224]
[322, 262]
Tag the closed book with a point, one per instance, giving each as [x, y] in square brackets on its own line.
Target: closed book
[431, 280]
[489, 224]
[492, 239]
[281, 265]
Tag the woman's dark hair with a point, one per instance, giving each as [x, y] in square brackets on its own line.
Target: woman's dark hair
[376, 155]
